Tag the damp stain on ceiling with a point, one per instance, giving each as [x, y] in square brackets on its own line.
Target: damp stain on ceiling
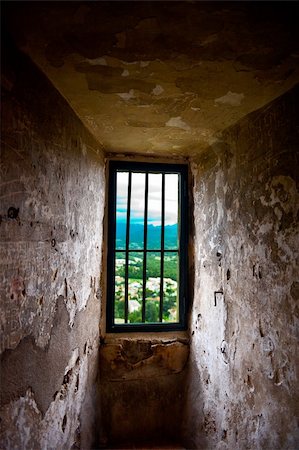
[161, 78]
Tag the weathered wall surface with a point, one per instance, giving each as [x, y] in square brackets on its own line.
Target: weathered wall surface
[161, 78]
[242, 389]
[141, 385]
[52, 200]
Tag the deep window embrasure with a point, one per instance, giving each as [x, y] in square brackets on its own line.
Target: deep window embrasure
[147, 247]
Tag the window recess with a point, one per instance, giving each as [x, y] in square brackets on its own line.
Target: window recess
[147, 247]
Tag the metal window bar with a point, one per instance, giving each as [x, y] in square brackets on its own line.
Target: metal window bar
[139, 250]
[127, 248]
[162, 248]
[145, 246]
[180, 238]
[145, 250]
[180, 250]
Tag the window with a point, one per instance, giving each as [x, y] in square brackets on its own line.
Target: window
[147, 247]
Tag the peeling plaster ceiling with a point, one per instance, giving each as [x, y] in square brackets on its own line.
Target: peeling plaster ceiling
[161, 78]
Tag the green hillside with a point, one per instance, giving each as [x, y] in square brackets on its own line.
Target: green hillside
[153, 236]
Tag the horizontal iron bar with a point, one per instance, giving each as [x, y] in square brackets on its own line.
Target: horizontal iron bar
[143, 250]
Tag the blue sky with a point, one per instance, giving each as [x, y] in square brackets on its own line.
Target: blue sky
[154, 198]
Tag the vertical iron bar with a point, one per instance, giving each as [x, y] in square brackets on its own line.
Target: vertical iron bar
[162, 247]
[180, 268]
[145, 246]
[112, 243]
[127, 248]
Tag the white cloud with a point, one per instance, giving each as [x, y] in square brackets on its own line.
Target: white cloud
[154, 197]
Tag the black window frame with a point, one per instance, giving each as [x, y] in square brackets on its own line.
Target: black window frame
[149, 167]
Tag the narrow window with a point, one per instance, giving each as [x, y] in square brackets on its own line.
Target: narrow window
[147, 247]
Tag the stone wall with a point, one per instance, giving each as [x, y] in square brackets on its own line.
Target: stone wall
[242, 389]
[52, 201]
[141, 388]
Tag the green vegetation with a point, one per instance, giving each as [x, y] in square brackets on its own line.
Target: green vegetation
[153, 270]
[152, 306]
[152, 266]
[153, 236]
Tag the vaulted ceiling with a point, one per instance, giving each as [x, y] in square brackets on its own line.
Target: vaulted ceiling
[161, 78]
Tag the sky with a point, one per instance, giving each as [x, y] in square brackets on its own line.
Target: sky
[154, 198]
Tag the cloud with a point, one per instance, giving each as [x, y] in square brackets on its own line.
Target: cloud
[154, 197]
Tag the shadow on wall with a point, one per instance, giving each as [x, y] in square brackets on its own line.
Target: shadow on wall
[142, 386]
[242, 376]
[53, 176]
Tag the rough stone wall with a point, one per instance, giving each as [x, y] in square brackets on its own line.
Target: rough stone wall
[161, 78]
[51, 206]
[141, 386]
[242, 389]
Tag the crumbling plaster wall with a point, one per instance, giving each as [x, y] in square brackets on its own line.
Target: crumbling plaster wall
[161, 78]
[242, 389]
[52, 174]
[142, 383]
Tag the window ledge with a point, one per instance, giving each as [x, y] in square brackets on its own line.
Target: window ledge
[162, 337]
[130, 358]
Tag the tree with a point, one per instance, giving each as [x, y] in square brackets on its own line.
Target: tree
[151, 311]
